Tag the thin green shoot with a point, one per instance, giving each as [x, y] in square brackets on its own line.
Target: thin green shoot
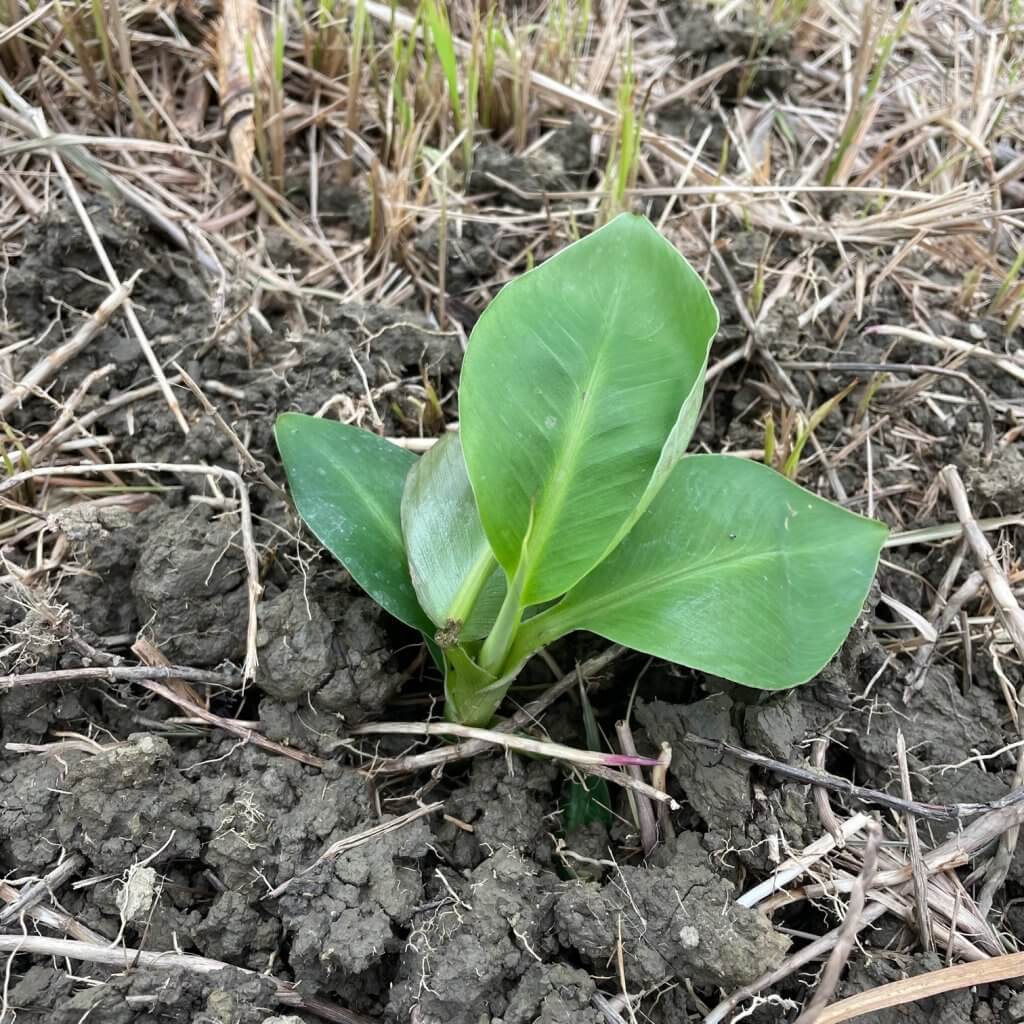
[329, 43]
[624, 154]
[769, 439]
[756, 296]
[126, 73]
[275, 122]
[791, 466]
[869, 394]
[972, 279]
[871, 42]
[69, 21]
[355, 78]
[587, 800]
[1009, 282]
[403, 49]
[486, 39]
[18, 47]
[435, 17]
[100, 23]
[1014, 318]
[258, 113]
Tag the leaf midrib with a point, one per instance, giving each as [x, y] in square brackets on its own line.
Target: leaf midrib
[664, 580]
[393, 532]
[553, 492]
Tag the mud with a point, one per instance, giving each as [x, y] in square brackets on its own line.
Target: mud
[999, 484]
[28, 812]
[191, 557]
[38, 995]
[680, 919]
[518, 181]
[125, 804]
[60, 273]
[761, 49]
[45, 996]
[151, 997]
[473, 916]
[719, 789]
[508, 804]
[299, 364]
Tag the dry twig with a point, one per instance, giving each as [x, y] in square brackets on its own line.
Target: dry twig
[123, 957]
[644, 812]
[918, 872]
[847, 937]
[590, 761]
[33, 892]
[1002, 593]
[114, 673]
[48, 366]
[925, 986]
[523, 718]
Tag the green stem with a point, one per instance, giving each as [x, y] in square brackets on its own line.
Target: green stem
[472, 695]
[494, 653]
[534, 634]
[499, 641]
[475, 690]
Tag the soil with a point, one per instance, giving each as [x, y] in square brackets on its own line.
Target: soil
[445, 916]
[486, 912]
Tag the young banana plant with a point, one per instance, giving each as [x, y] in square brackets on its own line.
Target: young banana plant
[567, 500]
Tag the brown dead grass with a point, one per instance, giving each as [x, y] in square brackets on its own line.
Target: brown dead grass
[860, 150]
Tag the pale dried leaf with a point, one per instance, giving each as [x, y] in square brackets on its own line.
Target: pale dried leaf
[239, 33]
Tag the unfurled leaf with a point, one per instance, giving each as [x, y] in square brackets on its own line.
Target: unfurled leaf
[457, 580]
[578, 376]
[733, 570]
[347, 485]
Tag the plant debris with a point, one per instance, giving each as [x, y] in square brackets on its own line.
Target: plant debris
[214, 214]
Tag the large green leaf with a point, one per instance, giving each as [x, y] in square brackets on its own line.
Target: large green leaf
[733, 570]
[347, 485]
[579, 377]
[457, 580]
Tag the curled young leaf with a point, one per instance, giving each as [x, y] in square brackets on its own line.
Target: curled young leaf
[733, 570]
[457, 580]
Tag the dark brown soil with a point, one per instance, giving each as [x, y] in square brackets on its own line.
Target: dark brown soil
[433, 918]
[474, 915]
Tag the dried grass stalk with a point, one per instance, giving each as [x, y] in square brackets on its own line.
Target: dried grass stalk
[242, 67]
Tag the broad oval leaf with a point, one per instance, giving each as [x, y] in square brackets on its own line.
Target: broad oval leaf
[347, 485]
[733, 570]
[457, 580]
[578, 377]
